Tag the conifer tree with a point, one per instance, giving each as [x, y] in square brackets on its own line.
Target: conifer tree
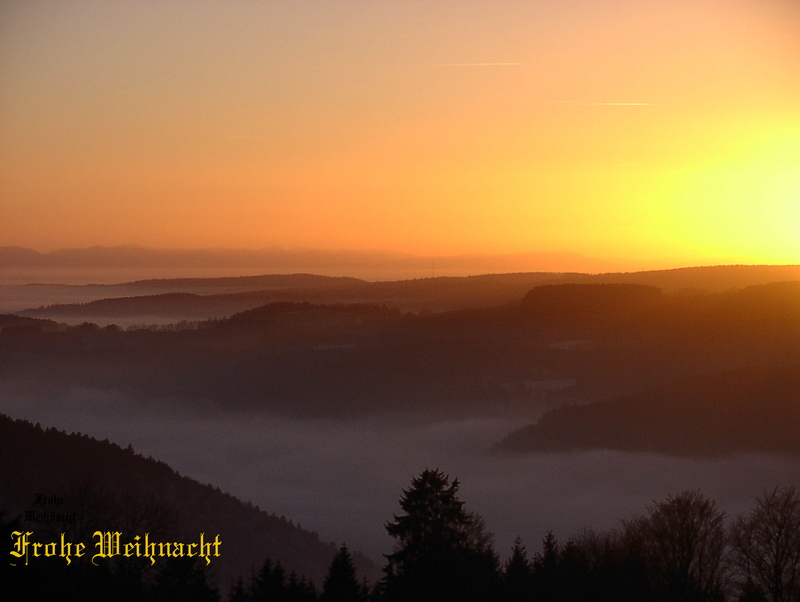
[300, 589]
[184, 579]
[517, 574]
[341, 583]
[238, 592]
[443, 552]
[269, 584]
[546, 569]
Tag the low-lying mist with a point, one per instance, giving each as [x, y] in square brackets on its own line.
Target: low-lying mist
[343, 479]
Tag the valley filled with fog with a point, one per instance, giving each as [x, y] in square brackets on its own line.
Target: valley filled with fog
[343, 478]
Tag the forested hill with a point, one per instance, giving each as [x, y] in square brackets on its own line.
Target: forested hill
[13, 323]
[109, 488]
[738, 411]
[560, 343]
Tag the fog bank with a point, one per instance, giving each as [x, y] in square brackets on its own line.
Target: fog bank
[343, 479]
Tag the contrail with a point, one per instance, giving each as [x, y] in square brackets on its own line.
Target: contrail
[479, 64]
[600, 104]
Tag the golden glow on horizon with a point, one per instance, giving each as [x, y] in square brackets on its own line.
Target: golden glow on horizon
[665, 131]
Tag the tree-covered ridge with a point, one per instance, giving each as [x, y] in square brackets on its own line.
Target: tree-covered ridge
[11, 323]
[121, 490]
[746, 410]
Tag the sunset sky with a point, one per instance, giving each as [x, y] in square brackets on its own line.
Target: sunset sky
[662, 130]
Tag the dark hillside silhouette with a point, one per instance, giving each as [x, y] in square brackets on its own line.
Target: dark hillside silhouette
[10, 323]
[187, 306]
[99, 480]
[751, 410]
[590, 303]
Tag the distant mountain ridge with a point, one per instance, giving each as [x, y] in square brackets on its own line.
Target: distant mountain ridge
[301, 259]
[203, 298]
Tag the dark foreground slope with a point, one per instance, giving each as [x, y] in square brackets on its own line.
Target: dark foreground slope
[108, 488]
[749, 410]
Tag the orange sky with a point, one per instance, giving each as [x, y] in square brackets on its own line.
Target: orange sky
[660, 130]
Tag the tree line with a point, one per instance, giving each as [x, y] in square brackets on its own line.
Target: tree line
[681, 549]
